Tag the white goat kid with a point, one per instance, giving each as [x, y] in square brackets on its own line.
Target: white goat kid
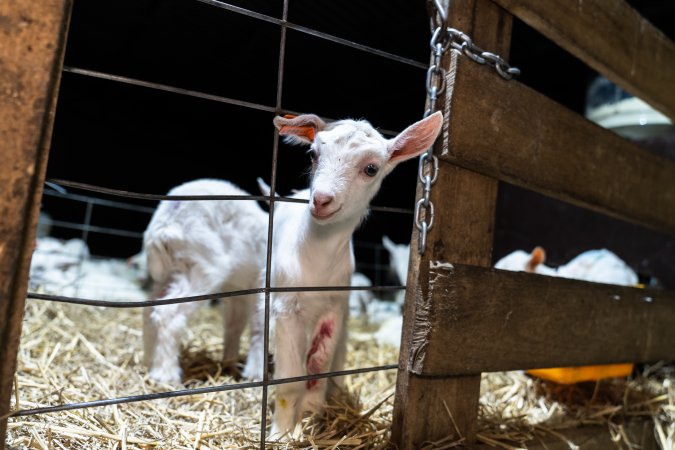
[520, 260]
[599, 266]
[201, 247]
[312, 247]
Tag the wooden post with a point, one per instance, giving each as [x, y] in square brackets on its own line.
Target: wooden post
[430, 408]
[32, 42]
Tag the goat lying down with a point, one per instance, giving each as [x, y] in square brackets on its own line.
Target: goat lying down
[201, 247]
[599, 266]
[312, 247]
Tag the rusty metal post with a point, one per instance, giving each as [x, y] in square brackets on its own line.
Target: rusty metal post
[32, 43]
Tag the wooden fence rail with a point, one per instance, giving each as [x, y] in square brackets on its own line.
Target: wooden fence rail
[512, 133]
[486, 320]
[612, 38]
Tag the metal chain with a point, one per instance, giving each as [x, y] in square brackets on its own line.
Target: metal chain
[462, 42]
[435, 84]
[443, 38]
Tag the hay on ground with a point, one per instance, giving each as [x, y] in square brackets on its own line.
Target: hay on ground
[72, 353]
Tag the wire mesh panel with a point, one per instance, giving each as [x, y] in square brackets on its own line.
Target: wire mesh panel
[149, 149]
[158, 93]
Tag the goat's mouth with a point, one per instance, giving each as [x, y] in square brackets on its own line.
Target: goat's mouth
[323, 216]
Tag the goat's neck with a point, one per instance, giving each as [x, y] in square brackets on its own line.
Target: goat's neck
[329, 244]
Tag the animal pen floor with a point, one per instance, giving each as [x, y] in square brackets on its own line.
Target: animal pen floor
[72, 353]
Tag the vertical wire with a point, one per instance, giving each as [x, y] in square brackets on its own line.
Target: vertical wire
[85, 237]
[87, 221]
[270, 231]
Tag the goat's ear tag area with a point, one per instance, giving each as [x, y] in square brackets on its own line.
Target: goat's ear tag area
[306, 132]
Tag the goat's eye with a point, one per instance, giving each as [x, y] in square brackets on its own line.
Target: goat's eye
[313, 157]
[371, 170]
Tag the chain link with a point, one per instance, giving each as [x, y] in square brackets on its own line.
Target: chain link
[462, 42]
[440, 42]
[442, 39]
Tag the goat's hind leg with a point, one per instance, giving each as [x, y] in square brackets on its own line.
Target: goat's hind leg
[163, 327]
[255, 359]
[236, 315]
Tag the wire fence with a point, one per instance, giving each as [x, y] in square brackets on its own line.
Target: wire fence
[272, 199]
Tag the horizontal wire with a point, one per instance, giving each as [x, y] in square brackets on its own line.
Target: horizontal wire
[243, 11]
[191, 93]
[316, 33]
[158, 197]
[391, 209]
[96, 229]
[98, 201]
[201, 298]
[167, 88]
[195, 391]
[357, 46]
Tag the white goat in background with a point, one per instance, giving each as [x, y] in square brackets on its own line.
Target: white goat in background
[201, 247]
[521, 261]
[599, 266]
[399, 254]
[312, 247]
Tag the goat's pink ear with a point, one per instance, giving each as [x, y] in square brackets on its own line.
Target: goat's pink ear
[299, 129]
[537, 257]
[416, 139]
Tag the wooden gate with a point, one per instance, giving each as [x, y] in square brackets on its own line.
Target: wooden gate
[461, 317]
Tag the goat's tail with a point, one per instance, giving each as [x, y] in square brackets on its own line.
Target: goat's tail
[161, 246]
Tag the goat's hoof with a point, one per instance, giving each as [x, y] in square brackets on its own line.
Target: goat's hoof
[252, 373]
[276, 435]
[172, 377]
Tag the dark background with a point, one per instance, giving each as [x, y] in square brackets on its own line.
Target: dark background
[141, 139]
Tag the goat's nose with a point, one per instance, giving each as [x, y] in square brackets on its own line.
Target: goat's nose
[321, 200]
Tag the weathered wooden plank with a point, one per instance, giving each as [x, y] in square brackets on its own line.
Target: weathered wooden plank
[638, 431]
[510, 132]
[612, 38]
[465, 205]
[485, 320]
[468, 202]
[32, 42]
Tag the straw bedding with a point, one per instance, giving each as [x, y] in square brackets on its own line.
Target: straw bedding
[73, 353]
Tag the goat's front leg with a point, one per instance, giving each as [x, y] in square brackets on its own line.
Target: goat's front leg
[291, 348]
[325, 351]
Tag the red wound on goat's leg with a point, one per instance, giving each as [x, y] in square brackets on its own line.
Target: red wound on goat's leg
[317, 356]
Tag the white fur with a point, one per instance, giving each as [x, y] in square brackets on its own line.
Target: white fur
[359, 300]
[518, 261]
[389, 332]
[399, 254]
[599, 266]
[195, 248]
[312, 247]
[66, 268]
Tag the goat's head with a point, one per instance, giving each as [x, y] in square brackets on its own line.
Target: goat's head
[350, 159]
